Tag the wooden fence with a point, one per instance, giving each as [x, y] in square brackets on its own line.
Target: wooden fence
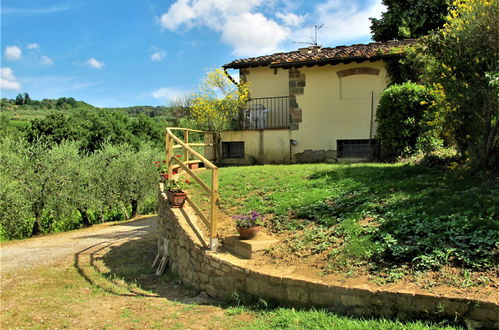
[191, 156]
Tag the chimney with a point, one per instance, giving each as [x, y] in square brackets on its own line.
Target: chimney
[310, 50]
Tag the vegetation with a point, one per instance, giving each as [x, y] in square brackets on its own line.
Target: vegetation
[94, 128]
[217, 103]
[54, 188]
[408, 19]
[373, 215]
[74, 168]
[458, 64]
[461, 64]
[405, 121]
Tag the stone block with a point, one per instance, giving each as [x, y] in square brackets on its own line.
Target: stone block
[203, 278]
[215, 264]
[248, 248]
[322, 295]
[251, 286]
[297, 294]
[296, 115]
[226, 269]
[351, 300]
[211, 291]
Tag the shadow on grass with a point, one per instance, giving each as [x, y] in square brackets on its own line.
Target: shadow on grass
[426, 214]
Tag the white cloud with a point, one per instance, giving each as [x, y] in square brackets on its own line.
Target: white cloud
[92, 62]
[158, 54]
[291, 20]
[211, 13]
[33, 46]
[257, 27]
[168, 93]
[46, 60]
[8, 81]
[253, 34]
[345, 21]
[13, 53]
[39, 11]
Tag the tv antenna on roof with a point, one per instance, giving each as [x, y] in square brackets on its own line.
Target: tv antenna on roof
[314, 40]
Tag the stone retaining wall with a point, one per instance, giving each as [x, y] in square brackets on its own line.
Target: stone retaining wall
[220, 274]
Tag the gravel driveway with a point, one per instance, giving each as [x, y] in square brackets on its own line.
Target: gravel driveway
[23, 255]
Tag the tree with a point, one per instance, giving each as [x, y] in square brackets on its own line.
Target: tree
[217, 103]
[26, 98]
[462, 65]
[180, 108]
[127, 175]
[408, 19]
[19, 99]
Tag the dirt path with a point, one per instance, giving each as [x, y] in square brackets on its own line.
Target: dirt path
[100, 277]
[21, 256]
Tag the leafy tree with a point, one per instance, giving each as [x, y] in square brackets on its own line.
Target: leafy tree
[15, 210]
[84, 190]
[26, 98]
[127, 175]
[217, 102]
[19, 99]
[462, 64]
[52, 129]
[408, 19]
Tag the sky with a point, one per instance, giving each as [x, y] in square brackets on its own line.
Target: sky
[115, 53]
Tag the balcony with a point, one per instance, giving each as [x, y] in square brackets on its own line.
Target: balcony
[266, 112]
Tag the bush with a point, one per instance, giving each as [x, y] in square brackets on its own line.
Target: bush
[405, 120]
[461, 62]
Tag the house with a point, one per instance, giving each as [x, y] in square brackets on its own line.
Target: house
[310, 105]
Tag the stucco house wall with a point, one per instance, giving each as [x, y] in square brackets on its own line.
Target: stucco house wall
[332, 107]
[332, 95]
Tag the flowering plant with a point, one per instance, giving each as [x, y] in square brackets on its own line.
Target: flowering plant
[249, 220]
[161, 166]
[176, 185]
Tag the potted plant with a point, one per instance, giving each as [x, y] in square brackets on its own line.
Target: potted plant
[248, 225]
[174, 191]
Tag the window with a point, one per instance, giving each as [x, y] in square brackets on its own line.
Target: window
[233, 149]
[355, 148]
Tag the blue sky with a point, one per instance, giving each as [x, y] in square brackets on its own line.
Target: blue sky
[113, 53]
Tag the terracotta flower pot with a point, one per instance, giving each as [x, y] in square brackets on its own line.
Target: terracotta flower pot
[176, 199]
[194, 166]
[248, 233]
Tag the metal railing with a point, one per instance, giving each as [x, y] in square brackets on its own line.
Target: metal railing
[266, 112]
[182, 163]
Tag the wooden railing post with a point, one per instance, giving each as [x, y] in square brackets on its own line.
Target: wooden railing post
[169, 154]
[213, 211]
[186, 138]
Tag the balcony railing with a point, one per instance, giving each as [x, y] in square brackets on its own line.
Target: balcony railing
[266, 112]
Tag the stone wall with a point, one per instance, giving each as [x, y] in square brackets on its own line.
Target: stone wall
[219, 274]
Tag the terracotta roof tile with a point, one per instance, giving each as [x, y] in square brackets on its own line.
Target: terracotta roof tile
[340, 54]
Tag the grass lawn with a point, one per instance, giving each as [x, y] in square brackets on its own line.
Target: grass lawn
[114, 287]
[380, 216]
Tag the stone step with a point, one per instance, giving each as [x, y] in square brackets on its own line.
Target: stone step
[248, 249]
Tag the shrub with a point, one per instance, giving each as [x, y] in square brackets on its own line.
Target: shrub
[461, 62]
[405, 120]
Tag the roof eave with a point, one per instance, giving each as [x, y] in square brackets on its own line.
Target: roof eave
[321, 62]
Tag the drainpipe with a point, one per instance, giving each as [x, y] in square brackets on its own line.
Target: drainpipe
[371, 124]
[292, 143]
